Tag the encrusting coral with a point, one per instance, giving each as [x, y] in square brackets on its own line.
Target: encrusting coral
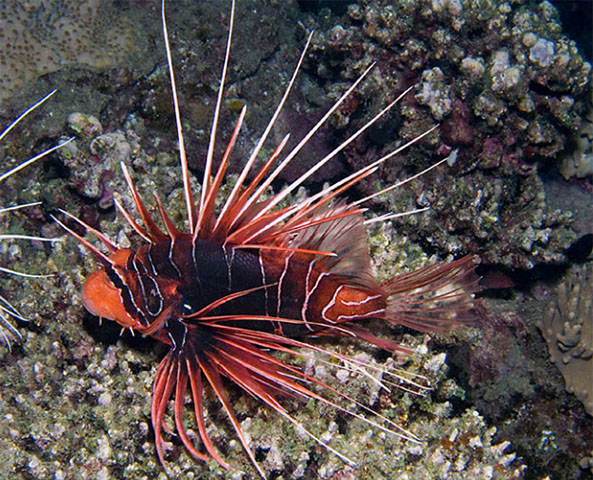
[567, 327]
[41, 37]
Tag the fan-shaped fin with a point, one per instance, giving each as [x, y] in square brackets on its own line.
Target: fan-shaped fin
[434, 298]
[345, 235]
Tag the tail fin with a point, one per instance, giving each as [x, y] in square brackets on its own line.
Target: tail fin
[435, 298]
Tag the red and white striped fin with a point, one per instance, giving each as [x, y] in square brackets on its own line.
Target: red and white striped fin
[104, 259]
[244, 357]
[343, 234]
[231, 200]
[256, 231]
[189, 197]
[244, 218]
[206, 213]
[230, 217]
[294, 218]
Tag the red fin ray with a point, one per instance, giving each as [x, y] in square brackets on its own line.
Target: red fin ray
[154, 232]
[205, 224]
[263, 381]
[172, 230]
[104, 259]
[338, 229]
[195, 377]
[231, 201]
[284, 375]
[240, 355]
[313, 206]
[137, 228]
[214, 128]
[180, 388]
[312, 223]
[173, 374]
[256, 342]
[212, 374]
[255, 226]
[162, 389]
[276, 199]
[231, 216]
[364, 334]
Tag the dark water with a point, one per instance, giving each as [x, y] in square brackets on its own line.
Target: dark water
[577, 20]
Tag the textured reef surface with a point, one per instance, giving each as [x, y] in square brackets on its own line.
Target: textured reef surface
[41, 37]
[512, 95]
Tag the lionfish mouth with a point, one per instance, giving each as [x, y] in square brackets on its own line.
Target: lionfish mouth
[258, 278]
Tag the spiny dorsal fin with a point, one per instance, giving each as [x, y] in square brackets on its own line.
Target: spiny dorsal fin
[344, 234]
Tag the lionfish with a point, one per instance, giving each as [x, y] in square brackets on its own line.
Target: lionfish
[7, 310]
[254, 277]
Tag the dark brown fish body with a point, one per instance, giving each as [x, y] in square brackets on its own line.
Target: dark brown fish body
[288, 285]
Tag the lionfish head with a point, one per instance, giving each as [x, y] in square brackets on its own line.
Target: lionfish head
[134, 299]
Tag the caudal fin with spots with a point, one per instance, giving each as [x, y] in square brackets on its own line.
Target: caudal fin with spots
[435, 298]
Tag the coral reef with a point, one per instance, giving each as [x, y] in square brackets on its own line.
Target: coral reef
[95, 157]
[508, 89]
[41, 37]
[568, 329]
[74, 399]
[506, 375]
